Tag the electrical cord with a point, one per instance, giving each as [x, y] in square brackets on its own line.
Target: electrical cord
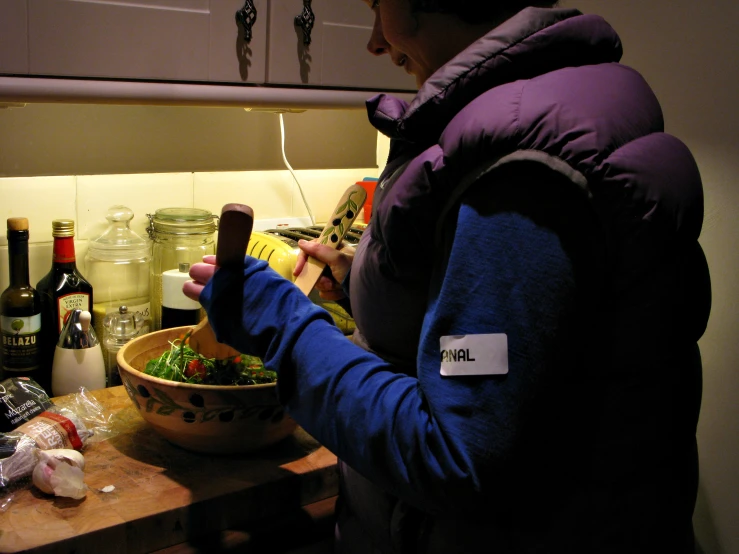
[289, 167]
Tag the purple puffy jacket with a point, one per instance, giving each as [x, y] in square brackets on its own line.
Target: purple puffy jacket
[545, 90]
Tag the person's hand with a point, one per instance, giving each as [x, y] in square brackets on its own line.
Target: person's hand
[201, 274]
[338, 262]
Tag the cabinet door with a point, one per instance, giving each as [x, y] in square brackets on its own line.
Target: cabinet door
[158, 39]
[337, 55]
[14, 36]
[232, 58]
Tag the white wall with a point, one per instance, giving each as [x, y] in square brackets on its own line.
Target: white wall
[689, 51]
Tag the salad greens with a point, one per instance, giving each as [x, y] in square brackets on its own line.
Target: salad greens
[181, 363]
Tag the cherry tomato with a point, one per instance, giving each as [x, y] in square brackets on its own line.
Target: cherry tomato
[195, 368]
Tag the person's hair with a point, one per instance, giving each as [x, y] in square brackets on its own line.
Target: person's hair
[473, 11]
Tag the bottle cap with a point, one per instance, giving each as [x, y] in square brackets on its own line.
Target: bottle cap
[172, 295]
[17, 224]
[62, 228]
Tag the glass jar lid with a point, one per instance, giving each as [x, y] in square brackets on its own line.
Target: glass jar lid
[182, 221]
[119, 242]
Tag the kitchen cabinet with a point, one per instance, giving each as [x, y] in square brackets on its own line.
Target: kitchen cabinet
[337, 55]
[231, 58]
[126, 39]
[13, 36]
[195, 41]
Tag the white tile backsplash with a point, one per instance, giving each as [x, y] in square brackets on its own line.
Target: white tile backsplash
[273, 195]
[323, 189]
[383, 151]
[268, 193]
[39, 263]
[40, 199]
[143, 193]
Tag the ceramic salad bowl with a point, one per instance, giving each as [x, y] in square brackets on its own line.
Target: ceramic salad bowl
[214, 419]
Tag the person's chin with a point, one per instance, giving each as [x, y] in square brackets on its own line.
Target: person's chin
[410, 71]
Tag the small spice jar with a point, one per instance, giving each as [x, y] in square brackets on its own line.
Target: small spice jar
[119, 328]
[179, 236]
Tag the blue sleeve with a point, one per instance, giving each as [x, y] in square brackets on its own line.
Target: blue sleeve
[411, 435]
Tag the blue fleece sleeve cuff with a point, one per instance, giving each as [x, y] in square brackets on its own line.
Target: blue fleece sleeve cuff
[259, 312]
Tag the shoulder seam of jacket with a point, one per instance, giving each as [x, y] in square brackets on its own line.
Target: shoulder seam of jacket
[553, 162]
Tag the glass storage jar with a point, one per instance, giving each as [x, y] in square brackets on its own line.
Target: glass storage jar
[117, 265]
[179, 235]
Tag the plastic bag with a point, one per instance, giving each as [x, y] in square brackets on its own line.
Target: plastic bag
[21, 399]
[77, 420]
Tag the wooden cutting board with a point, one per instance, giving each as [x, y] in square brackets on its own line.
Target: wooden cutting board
[163, 495]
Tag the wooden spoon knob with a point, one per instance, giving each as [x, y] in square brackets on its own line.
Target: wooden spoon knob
[234, 232]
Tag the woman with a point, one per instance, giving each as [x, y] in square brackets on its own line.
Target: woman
[528, 381]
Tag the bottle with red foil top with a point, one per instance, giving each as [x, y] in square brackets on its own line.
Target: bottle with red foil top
[62, 290]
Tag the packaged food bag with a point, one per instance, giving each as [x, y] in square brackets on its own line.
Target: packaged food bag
[21, 399]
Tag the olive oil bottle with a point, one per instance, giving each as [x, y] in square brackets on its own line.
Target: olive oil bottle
[20, 311]
[63, 290]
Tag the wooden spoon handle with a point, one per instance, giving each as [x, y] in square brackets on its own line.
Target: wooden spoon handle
[341, 220]
[234, 232]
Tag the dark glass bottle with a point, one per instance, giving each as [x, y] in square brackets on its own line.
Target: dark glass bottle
[62, 291]
[20, 311]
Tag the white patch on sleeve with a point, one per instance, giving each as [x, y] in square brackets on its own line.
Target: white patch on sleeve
[474, 355]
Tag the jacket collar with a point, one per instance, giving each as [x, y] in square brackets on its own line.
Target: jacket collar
[533, 42]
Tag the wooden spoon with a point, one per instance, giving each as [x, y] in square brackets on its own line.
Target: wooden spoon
[234, 231]
[341, 220]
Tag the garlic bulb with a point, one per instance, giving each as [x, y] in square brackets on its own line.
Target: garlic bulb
[59, 472]
[67, 455]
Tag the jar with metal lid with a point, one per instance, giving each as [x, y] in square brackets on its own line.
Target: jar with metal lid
[179, 235]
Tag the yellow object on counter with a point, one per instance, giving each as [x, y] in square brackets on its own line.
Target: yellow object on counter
[343, 320]
[282, 255]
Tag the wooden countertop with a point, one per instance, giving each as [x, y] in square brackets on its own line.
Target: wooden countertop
[163, 495]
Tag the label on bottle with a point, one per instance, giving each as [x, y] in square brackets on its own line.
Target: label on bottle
[70, 302]
[21, 344]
